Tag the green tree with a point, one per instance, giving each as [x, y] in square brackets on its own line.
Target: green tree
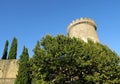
[23, 76]
[4, 56]
[13, 49]
[64, 60]
[35, 62]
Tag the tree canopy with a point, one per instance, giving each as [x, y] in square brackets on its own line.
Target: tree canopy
[65, 60]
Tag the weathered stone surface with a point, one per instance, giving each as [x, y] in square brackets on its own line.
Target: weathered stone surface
[83, 28]
[7, 80]
[8, 71]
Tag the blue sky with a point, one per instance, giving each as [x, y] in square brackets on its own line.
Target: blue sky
[30, 20]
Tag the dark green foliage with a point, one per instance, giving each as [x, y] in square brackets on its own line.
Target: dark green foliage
[62, 60]
[37, 58]
[23, 76]
[13, 49]
[4, 56]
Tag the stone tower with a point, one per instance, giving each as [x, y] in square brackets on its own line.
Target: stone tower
[83, 28]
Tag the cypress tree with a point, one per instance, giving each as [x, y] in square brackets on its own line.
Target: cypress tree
[4, 56]
[13, 49]
[23, 72]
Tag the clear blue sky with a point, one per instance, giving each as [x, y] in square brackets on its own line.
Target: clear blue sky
[30, 20]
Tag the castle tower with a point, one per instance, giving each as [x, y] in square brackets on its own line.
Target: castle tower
[83, 28]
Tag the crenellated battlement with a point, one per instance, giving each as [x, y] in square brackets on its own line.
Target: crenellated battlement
[81, 21]
[84, 28]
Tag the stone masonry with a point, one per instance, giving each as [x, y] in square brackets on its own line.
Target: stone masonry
[8, 71]
[83, 28]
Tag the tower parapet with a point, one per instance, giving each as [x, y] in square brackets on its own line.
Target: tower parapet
[84, 28]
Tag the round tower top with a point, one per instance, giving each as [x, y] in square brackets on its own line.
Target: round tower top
[80, 21]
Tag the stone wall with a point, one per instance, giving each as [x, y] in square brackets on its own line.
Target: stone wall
[8, 71]
[7, 80]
